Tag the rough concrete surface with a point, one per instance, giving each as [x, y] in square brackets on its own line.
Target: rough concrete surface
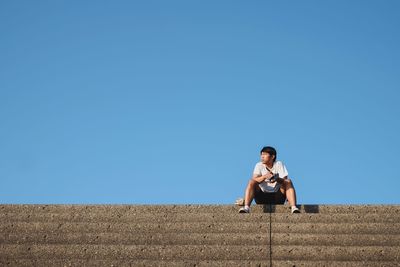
[199, 235]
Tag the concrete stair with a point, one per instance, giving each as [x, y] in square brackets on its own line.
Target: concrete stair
[199, 235]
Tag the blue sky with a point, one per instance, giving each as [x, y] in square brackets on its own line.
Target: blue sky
[170, 102]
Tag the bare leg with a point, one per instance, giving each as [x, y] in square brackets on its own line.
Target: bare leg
[250, 190]
[290, 192]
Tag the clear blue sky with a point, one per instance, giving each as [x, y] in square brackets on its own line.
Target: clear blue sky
[170, 102]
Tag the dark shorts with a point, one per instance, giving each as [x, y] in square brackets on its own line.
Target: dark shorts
[269, 198]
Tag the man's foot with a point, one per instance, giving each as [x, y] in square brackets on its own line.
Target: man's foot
[245, 209]
[295, 209]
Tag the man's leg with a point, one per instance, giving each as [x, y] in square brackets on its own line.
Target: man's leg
[250, 191]
[287, 189]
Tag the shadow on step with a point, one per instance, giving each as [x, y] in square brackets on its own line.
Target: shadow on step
[303, 208]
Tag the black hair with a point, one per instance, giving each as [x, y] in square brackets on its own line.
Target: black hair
[270, 150]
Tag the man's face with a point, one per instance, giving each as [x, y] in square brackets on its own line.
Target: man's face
[266, 158]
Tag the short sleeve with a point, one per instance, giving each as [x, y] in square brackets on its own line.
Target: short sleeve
[283, 171]
[257, 170]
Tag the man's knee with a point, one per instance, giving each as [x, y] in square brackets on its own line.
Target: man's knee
[252, 183]
[288, 183]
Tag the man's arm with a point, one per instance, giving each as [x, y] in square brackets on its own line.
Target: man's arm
[260, 178]
[280, 180]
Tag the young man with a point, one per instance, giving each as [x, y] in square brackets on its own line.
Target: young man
[268, 174]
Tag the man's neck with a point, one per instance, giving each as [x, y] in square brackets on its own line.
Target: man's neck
[269, 164]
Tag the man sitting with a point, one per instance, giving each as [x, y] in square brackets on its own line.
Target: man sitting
[269, 174]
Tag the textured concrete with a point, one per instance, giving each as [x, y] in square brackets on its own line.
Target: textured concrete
[199, 235]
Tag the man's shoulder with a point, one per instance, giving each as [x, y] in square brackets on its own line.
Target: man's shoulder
[259, 165]
[279, 163]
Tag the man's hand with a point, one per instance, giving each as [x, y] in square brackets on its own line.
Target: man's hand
[268, 176]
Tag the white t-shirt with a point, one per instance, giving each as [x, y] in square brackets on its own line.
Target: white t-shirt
[278, 167]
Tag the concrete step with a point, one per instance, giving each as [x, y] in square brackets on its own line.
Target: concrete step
[192, 208]
[143, 252]
[330, 263]
[327, 239]
[146, 227]
[201, 252]
[202, 239]
[137, 238]
[202, 227]
[200, 217]
[337, 253]
[195, 263]
[337, 228]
